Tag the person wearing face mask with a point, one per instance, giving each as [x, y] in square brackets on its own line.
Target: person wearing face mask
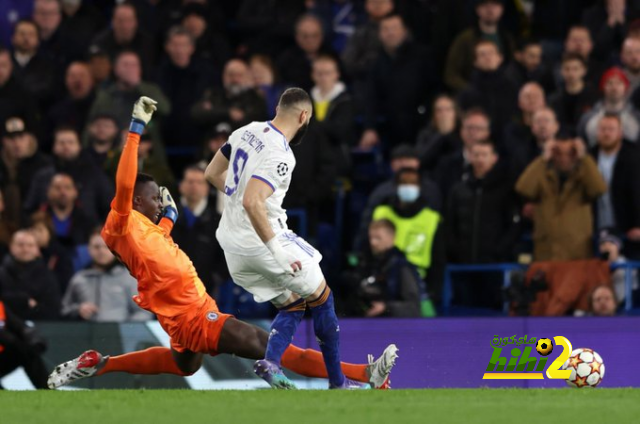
[418, 229]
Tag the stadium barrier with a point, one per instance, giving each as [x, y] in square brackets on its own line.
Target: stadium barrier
[434, 353]
[507, 268]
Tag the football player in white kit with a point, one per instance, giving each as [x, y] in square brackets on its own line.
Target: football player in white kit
[253, 169]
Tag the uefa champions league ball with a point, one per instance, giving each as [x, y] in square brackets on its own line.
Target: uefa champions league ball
[586, 366]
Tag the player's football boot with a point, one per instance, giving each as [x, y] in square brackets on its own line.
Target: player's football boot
[272, 374]
[380, 369]
[351, 385]
[83, 366]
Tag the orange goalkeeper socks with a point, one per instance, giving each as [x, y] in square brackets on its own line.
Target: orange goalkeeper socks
[310, 363]
[155, 360]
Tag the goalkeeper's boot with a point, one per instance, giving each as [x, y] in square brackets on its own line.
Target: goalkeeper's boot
[380, 369]
[351, 385]
[272, 374]
[85, 365]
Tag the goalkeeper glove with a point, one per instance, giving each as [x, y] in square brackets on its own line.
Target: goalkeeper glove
[142, 112]
[169, 208]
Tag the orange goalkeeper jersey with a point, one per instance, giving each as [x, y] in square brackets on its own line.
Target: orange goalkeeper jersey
[168, 284]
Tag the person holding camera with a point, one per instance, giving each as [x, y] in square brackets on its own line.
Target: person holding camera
[21, 346]
[563, 183]
[387, 284]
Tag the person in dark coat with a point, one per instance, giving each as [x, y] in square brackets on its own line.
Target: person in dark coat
[489, 88]
[183, 78]
[73, 109]
[196, 226]
[237, 102]
[482, 219]
[15, 100]
[124, 34]
[294, 64]
[21, 346]
[94, 189]
[619, 207]
[26, 285]
[401, 80]
[333, 111]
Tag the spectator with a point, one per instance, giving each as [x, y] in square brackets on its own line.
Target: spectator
[15, 100]
[544, 127]
[211, 47]
[563, 183]
[362, 48]
[460, 61]
[56, 257]
[615, 88]
[608, 22]
[575, 97]
[400, 81]
[6, 230]
[73, 109]
[95, 191]
[37, 73]
[195, 228]
[182, 78]
[529, 67]
[266, 27]
[602, 302]
[402, 157]
[482, 218]
[101, 67]
[333, 111]
[124, 35]
[579, 42]
[21, 346]
[610, 249]
[440, 137]
[103, 292]
[450, 169]
[128, 86]
[619, 207]
[11, 12]
[339, 19]
[530, 100]
[265, 81]
[60, 42]
[214, 140]
[237, 102]
[102, 139]
[71, 225]
[20, 161]
[388, 285]
[489, 87]
[315, 167]
[28, 288]
[630, 58]
[418, 229]
[85, 19]
[294, 64]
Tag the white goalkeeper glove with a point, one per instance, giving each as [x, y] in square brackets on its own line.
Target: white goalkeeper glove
[169, 208]
[289, 263]
[142, 112]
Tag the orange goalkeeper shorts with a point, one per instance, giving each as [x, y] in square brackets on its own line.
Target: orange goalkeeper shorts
[198, 330]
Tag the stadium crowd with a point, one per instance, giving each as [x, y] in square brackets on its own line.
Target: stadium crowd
[458, 131]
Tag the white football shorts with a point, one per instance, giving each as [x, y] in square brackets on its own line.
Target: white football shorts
[264, 279]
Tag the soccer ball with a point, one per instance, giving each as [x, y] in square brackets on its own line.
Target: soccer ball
[544, 347]
[587, 368]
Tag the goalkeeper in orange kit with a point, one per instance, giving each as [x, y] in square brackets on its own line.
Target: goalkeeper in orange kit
[138, 231]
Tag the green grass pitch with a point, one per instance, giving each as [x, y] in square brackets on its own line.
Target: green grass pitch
[494, 406]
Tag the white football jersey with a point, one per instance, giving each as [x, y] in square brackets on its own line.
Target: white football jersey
[258, 150]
